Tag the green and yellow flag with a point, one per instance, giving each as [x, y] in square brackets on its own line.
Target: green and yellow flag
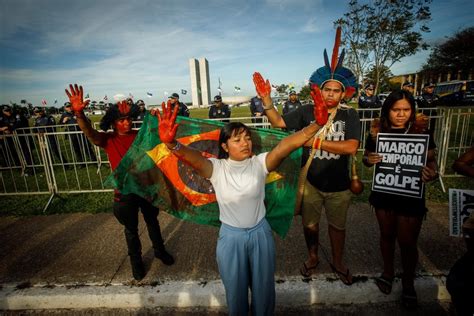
[151, 171]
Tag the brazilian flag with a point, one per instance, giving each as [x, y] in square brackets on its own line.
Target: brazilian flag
[151, 171]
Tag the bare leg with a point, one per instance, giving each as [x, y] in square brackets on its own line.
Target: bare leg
[337, 238]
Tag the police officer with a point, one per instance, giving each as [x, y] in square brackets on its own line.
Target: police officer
[78, 140]
[408, 86]
[256, 109]
[141, 112]
[368, 100]
[183, 109]
[45, 124]
[219, 109]
[8, 123]
[292, 103]
[428, 99]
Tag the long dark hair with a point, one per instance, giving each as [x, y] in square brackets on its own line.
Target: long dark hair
[388, 104]
[227, 131]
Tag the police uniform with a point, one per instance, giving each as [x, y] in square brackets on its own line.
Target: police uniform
[222, 111]
[78, 140]
[7, 144]
[290, 106]
[44, 124]
[256, 106]
[183, 109]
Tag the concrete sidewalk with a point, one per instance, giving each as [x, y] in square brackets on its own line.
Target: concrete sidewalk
[80, 261]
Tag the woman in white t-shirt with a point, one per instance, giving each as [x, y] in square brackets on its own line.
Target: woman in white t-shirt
[245, 248]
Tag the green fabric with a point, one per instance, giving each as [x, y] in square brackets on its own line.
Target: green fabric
[138, 173]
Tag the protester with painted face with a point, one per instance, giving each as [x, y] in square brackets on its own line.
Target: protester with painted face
[126, 207]
[245, 248]
[399, 216]
[327, 182]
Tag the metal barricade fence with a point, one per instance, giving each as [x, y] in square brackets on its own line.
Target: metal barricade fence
[64, 161]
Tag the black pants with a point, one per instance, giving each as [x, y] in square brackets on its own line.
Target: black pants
[126, 211]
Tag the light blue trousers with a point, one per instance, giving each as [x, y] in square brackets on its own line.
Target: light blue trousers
[246, 259]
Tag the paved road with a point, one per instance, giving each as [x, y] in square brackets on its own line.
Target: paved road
[89, 251]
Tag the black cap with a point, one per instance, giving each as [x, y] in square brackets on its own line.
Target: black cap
[217, 98]
[174, 96]
[67, 104]
[140, 102]
[369, 86]
[429, 85]
[6, 108]
[408, 84]
[292, 92]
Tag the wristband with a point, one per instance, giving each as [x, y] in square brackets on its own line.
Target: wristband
[176, 147]
[268, 107]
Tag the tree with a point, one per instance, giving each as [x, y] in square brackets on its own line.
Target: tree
[384, 79]
[304, 93]
[454, 54]
[380, 33]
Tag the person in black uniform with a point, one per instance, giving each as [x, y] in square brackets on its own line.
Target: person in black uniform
[428, 99]
[256, 109]
[8, 123]
[183, 109]
[292, 103]
[80, 144]
[140, 115]
[368, 100]
[45, 124]
[219, 109]
[26, 142]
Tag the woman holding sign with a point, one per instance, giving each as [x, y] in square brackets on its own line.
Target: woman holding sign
[399, 217]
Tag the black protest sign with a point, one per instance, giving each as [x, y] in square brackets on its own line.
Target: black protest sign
[403, 158]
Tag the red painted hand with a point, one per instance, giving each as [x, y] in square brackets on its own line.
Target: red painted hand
[320, 108]
[263, 87]
[76, 97]
[167, 126]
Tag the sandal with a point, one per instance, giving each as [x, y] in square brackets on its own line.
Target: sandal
[344, 277]
[409, 299]
[308, 271]
[384, 284]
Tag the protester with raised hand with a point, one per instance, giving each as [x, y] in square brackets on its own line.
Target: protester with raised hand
[245, 248]
[325, 180]
[125, 207]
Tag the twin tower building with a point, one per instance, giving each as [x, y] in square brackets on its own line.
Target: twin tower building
[200, 82]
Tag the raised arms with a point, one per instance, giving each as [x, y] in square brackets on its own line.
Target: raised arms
[167, 128]
[78, 104]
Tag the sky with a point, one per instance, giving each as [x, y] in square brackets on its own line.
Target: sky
[125, 47]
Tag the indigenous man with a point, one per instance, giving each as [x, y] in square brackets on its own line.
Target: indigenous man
[327, 182]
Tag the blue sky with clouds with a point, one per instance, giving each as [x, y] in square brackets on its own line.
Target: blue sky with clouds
[113, 47]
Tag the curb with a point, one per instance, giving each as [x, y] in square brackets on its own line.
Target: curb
[290, 291]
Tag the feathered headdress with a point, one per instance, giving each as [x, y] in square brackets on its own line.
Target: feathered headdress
[335, 71]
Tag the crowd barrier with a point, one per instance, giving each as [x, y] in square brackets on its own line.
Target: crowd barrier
[61, 159]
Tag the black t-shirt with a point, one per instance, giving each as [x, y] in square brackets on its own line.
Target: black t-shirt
[328, 172]
[403, 205]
